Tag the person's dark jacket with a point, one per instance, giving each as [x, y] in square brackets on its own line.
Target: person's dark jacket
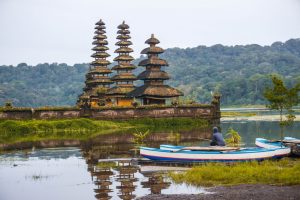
[217, 138]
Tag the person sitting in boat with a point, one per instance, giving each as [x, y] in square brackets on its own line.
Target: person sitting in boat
[217, 138]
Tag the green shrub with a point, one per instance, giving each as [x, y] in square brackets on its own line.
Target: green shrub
[82, 128]
[10, 126]
[283, 172]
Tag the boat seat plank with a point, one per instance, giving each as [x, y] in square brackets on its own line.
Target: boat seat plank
[212, 148]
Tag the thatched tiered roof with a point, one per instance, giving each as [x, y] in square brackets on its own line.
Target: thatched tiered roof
[155, 91]
[124, 77]
[123, 67]
[124, 50]
[97, 80]
[150, 75]
[152, 50]
[97, 76]
[153, 76]
[100, 55]
[99, 70]
[124, 57]
[153, 61]
[120, 91]
[152, 40]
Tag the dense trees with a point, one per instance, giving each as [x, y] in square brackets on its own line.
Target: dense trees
[239, 73]
[44, 84]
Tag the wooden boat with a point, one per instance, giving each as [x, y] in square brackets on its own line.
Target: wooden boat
[170, 153]
[290, 142]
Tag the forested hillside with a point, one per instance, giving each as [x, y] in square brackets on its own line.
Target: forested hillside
[239, 73]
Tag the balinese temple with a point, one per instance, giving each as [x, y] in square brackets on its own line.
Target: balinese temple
[154, 91]
[124, 77]
[97, 80]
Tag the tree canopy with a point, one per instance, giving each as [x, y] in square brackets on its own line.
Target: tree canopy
[282, 99]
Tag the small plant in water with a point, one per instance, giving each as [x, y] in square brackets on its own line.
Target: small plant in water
[139, 137]
[233, 138]
[175, 137]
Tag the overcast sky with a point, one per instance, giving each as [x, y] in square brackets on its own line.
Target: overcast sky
[39, 31]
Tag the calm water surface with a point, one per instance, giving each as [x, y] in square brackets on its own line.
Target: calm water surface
[85, 173]
[72, 173]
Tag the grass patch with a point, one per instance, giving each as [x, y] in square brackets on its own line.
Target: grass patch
[12, 131]
[245, 106]
[237, 114]
[283, 172]
[34, 130]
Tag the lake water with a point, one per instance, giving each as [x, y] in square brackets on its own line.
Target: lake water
[99, 168]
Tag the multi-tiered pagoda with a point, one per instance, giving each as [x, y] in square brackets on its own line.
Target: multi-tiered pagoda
[154, 91]
[97, 79]
[124, 77]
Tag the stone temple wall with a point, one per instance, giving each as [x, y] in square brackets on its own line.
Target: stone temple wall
[209, 112]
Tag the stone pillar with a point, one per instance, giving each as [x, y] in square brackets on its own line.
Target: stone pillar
[216, 112]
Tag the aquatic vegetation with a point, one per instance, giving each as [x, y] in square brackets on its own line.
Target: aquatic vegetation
[139, 137]
[175, 137]
[283, 172]
[233, 138]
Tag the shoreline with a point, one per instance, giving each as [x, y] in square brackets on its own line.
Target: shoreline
[254, 192]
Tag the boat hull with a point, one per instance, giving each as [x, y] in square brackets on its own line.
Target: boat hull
[264, 143]
[175, 155]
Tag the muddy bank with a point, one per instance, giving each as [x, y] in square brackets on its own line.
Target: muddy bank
[253, 192]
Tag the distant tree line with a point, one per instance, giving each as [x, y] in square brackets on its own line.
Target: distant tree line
[240, 73]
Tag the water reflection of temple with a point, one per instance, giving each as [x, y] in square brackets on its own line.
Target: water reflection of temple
[156, 183]
[117, 178]
[102, 181]
[126, 178]
[101, 174]
[105, 151]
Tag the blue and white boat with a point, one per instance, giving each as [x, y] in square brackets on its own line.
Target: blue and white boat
[289, 142]
[170, 153]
